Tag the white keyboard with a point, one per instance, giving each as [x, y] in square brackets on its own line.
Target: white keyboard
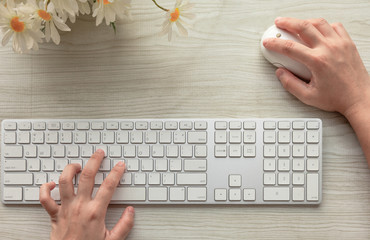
[170, 161]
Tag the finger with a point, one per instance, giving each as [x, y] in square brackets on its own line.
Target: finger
[109, 185]
[341, 31]
[304, 28]
[124, 224]
[45, 199]
[324, 27]
[291, 49]
[66, 187]
[293, 84]
[87, 177]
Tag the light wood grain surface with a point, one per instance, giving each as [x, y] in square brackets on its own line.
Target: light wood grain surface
[217, 72]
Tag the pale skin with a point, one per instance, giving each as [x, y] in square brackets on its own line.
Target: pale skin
[339, 83]
[339, 80]
[80, 216]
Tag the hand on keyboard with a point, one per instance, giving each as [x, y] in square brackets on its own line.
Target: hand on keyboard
[79, 215]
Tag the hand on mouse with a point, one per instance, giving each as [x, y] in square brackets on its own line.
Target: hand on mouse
[339, 80]
[80, 216]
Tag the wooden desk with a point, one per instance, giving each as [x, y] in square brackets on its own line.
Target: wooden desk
[217, 72]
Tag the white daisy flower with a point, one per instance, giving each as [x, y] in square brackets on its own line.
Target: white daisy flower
[49, 18]
[109, 9]
[84, 7]
[180, 11]
[69, 6]
[25, 31]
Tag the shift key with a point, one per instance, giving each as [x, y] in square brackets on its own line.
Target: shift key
[18, 179]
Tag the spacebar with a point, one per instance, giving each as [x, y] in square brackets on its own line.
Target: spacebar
[129, 194]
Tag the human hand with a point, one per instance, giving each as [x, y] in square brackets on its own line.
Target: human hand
[339, 80]
[80, 216]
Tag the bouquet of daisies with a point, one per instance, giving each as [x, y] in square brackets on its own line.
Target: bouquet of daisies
[30, 22]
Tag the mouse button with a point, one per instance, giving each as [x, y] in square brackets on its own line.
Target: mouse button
[279, 65]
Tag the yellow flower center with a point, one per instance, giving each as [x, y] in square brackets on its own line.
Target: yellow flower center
[175, 15]
[104, 1]
[17, 25]
[44, 15]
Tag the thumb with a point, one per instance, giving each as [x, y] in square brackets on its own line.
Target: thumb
[294, 85]
[124, 225]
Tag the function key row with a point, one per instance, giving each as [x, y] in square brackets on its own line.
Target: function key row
[108, 125]
[267, 125]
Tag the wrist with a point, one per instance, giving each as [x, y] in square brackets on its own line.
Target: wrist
[359, 108]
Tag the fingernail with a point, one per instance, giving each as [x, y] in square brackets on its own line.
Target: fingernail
[120, 164]
[279, 73]
[130, 210]
[100, 151]
[278, 19]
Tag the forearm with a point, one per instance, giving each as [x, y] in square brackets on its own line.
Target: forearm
[359, 118]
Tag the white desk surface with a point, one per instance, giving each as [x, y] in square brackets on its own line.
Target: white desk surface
[217, 72]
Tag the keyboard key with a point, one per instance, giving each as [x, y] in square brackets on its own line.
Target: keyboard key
[31, 194]
[200, 125]
[191, 179]
[39, 126]
[235, 151]
[157, 194]
[249, 151]
[97, 125]
[168, 179]
[249, 194]
[53, 126]
[235, 125]
[220, 137]
[127, 125]
[24, 126]
[170, 125]
[186, 125]
[298, 125]
[13, 151]
[83, 126]
[15, 165]
[220, 194]
[220, 125]
[312, 187]
[197, 137]
[112, 125]
[141, 125]
[197, 194]
[235, 180]
[10, 137]
[68, 126]
[195, 165]
[313, 125]
[177, 194]
[312, 164]
[269, 125]
[276, 194]
[200, 151]
[249, 125]
[12, 194]
[129, 194]
[298, 194]
[220, 151]
[234, 194]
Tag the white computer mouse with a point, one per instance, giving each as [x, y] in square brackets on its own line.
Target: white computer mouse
[280, 60]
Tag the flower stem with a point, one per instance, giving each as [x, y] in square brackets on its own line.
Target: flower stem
[164, 9]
